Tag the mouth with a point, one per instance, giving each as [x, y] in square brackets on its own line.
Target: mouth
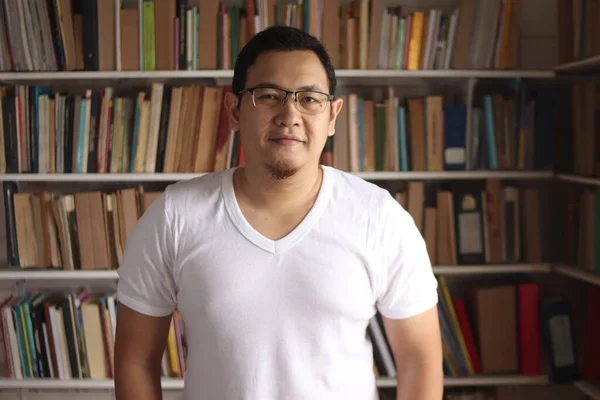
[286, 140]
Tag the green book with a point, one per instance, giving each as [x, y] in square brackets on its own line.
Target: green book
[148, 39]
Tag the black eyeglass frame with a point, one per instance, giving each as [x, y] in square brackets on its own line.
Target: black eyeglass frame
[330, 97]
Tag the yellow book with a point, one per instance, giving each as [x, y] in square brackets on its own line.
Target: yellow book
[416, 36]
[142, 136]
[172, 348]
[26, 339]
[461, 340]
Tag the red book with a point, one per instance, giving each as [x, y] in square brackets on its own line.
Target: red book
[465, 327]
[591, 354]
[529, 329]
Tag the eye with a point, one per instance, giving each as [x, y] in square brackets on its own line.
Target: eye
[268, 96]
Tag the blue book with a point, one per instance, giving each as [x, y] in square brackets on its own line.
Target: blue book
[455, 137]
[361, 135]
[402, 144]
[488, 110]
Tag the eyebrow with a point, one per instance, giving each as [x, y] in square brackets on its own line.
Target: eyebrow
[306, 87]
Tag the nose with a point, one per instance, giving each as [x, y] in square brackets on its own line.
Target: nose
[287, 114]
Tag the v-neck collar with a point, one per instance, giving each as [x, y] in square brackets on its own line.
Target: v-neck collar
[281, 245]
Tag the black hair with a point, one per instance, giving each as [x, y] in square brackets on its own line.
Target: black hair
[279, 38]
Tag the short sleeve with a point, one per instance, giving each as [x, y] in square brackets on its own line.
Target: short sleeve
[406, 284]
[146, 281]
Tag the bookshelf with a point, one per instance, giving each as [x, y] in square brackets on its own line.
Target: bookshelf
[465, 79]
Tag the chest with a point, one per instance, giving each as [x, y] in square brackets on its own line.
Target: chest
[236, 284]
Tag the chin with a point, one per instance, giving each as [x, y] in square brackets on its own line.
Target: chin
[281, 169]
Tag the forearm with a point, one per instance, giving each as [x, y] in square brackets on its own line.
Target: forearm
[136, 382]
[420, 383]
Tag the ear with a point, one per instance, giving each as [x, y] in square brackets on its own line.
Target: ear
[336, 107]
[233, 111]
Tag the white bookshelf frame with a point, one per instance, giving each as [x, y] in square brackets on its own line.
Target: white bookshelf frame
[371, 176]
[56, 275]
[166, 75]
[590, 64]
[590, 390]
[578, 179]
[178, 384]
[577, 273]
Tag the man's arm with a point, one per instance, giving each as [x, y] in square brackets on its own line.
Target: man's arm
[139, 346]
[417, 347]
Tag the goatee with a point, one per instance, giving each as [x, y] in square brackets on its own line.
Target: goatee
[280, 170]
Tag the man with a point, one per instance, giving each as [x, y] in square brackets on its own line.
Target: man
[277, 267]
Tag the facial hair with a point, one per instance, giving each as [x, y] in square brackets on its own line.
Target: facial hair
[280, 170]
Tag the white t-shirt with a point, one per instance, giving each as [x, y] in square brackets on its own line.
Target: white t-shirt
[282, 319]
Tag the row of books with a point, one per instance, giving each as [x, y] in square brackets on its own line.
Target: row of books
[508, 131]
[476, 223]
[168, 129]
[493, 329]
[185, 129]
[55, 35]
[71, 335]
[583, 230]
[466, 224]
[71, 231]
[585, 121]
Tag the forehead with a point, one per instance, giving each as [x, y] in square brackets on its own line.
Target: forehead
[289, 70]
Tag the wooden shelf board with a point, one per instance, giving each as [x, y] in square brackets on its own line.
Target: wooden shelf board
[496, 380]
[585, 65]
[491, 269]
[18, 274]
[591, 390]
[577, 273]
[578, 179]
[228, 74]
[177, 384]
[172, 177]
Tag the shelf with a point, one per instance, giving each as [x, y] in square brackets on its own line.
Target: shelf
[578, 179]
[75, 384]
[177, 384]
[17, 274]
[491, 269]
[228, 74]
[577, 273]
[591, 390]
[591, 64]
[96, 177]
[449, 73]
[497, 380]
[382, 176]
[455, 175]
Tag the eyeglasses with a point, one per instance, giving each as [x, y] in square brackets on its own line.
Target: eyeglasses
[306, 101]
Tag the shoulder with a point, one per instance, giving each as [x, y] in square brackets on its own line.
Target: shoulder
[184, 194]
[366, 197]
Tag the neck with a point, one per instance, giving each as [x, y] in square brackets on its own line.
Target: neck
[263, 191]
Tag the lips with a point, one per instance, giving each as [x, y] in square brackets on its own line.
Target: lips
[286, 140]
